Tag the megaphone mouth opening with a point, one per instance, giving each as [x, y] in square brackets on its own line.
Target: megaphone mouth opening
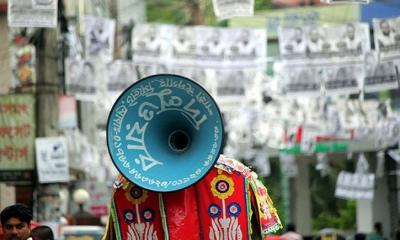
[179, 141]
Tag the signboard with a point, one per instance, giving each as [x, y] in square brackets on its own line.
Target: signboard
[52, 160]
[32, 13]
[17, 132]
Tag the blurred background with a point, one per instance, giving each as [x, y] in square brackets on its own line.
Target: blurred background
[308, 91]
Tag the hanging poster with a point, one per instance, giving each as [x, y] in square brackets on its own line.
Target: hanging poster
[80, 78]
[387, 37]
[121, 74]
[99, 38]
[151, 43]
[379, 74]
[32, 13]
[17, 136]
[301, 81]
[355, 185]
[52, 160]
[342, 80]
[225, 9]
[23, 67]
[67, 112]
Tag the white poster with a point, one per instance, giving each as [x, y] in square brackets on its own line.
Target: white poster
[301, 81]
[151, 43]
[342, 80]
[379, 74]
[52, 160]
[32, 13]
[292, 43]
[23, 62]
[99, 38]
[355, 185]
[345, 1]
[121, 74]
[225, 9]
[80, 78]
[387, 37]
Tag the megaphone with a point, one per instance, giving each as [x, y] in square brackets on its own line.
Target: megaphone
[164, 133]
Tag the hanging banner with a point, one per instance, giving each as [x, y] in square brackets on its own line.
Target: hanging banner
[17, 135]
[67, 112]
[379, 74]
[342, 80]
[324, 44]
[387, 37]
[80, 78]
[52, 160]
[300, 81]
[99, 38]
[23, 67]
[225, 9]
[345, 1]
[355, 185]
[200, 46]
[32, 13]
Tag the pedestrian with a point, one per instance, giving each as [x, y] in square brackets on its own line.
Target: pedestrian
[378, 232]
[291, 233]
[42, 232]
[16, 222]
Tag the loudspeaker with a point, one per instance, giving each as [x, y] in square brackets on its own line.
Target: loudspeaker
[164, 133]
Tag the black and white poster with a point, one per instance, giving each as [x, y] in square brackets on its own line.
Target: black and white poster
[225, 9]
[32, 13]
[292, 43]
[151, 43]
[379, 74]
[52, 160]
[80, 78]
[299, 81]
[121, 74]
[342, 80]
[387, 37]
[355, 185]
[99, 38]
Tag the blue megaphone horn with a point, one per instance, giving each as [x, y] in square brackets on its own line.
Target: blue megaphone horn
[164, 133]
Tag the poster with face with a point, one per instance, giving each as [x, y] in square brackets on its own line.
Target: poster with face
[292, 43]
[99, 38]
[301, 81]
[387, 37]
[80, 79]
[378, 74]
[225, 9]
[246, 47]
[342, 80]
[150, 43]
[32, 13]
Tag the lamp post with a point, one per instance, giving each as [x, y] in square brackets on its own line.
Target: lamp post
[80, 197]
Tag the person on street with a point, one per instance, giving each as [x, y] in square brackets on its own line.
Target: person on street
[42, 232]
[16, 222]
[291, 233]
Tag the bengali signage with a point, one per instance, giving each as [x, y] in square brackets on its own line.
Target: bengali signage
[17, 137]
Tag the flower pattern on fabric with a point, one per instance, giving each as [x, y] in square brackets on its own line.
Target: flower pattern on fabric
[234, 209]
[129, 216]
[136, 195]
[147, 215]
[222, 186]
[214, 210]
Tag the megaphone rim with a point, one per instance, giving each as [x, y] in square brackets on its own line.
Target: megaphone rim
[172, 75]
